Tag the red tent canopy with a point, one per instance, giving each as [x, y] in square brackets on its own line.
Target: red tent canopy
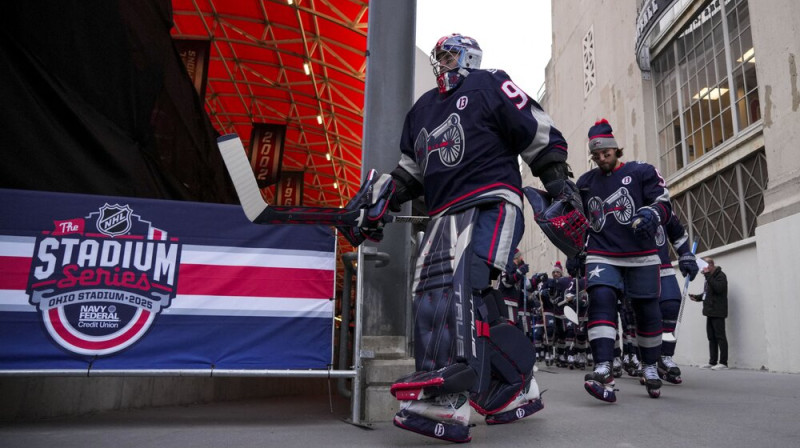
[301, 63]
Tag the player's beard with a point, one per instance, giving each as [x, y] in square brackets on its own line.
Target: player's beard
[608, 165]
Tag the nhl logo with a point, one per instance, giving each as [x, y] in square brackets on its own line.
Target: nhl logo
[114, 219]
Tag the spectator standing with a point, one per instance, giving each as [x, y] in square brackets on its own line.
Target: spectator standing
[715, 308]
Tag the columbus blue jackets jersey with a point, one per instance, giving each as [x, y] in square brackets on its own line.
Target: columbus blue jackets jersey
[557, 288]
[463, 146]
[611, 200]
[675, 234]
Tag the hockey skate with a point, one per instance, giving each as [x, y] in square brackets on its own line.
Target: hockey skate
[668, 370]
[580, 361]
[571, 362]
[651, 380]
[561, 361]
[633, 367]
[600, 383]
[444, 417]
[526, 403]
[616, 367]
[548, 359]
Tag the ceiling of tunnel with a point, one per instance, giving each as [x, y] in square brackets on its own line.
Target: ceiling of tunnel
[301, 63]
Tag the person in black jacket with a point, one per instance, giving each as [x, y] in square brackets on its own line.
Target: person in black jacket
[715, 308]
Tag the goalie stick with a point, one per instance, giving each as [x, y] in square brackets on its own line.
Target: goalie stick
[259, 211]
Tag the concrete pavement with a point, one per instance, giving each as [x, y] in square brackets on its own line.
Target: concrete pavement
[731, 408]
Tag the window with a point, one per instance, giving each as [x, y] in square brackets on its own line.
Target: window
[697, 79]
[589, 79]
[723, 209]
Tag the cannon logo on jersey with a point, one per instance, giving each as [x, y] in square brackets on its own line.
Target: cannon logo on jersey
[619, 204]
[99, 281]
[446, 141]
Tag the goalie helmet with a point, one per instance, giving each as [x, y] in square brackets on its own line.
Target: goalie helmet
[450, 56]
[564, 225]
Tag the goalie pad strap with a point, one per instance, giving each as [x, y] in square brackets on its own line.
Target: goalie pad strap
[482, 328]
[457, 377]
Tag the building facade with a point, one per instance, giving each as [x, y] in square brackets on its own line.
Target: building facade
[707, 92]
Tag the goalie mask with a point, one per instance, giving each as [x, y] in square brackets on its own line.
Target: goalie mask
[450, 58]
[563, 224]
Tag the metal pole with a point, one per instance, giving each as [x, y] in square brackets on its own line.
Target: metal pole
[356, 394]
[344, 328]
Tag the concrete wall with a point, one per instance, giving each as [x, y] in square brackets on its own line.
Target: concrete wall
[779, 283]
[745, 324]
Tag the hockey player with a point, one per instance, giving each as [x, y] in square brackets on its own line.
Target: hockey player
[537, 316]
[670, 299]
[625, 203]
[459, 147]
[548, 320]
[581, 339]
[510, 286]
[557, 288]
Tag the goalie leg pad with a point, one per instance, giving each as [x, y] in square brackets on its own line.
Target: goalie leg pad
[449, 313]
[513, 392]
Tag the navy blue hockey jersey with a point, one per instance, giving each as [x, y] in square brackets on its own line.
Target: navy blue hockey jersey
[675, 234]
[463, 146]
[557, 288]
[611, 200]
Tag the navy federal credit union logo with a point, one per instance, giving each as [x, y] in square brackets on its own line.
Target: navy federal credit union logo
[99, 281]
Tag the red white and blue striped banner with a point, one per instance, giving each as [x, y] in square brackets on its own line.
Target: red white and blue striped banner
[124, 283]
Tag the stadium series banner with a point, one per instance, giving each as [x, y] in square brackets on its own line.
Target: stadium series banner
[124, 283]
